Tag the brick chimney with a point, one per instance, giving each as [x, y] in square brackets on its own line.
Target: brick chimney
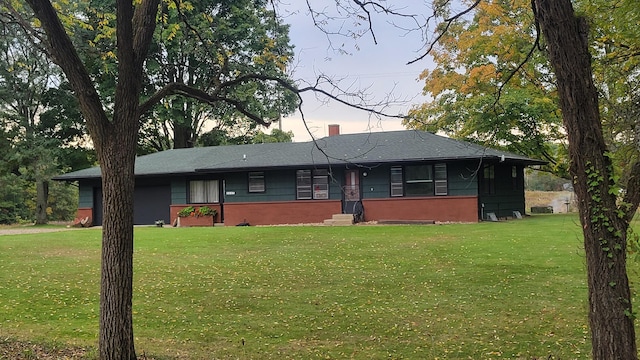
[334, 129]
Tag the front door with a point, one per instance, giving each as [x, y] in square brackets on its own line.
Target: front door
[351, 191]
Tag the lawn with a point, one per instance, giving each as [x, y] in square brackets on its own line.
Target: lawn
[513, 289]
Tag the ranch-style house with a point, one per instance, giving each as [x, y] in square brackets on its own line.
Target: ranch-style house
[398, 176]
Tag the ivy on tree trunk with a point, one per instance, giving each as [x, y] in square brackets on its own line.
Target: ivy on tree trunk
[604, 222]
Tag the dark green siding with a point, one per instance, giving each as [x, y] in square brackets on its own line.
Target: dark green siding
[376, 184]
[461, 178]
[460, 181]
[178, 191]
[280, 185]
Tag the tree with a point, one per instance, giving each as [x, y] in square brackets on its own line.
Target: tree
[12, 186]
[605, 221]
[615, 45]
[246, 38]
[24, 77]
[37, 128]
[276, 136]
[483, 90]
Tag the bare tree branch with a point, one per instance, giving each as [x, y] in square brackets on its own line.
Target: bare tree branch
[448, 23]
[354, 10]
[526, 59]
[215, 97]
[37, 38]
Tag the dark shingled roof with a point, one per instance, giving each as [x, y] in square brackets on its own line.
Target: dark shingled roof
[367, 148]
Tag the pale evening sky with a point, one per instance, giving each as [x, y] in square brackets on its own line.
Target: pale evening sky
[380, 70]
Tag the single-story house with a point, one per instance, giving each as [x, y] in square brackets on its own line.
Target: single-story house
[397, 175]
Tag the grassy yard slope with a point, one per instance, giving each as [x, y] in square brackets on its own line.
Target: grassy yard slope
[512, 289]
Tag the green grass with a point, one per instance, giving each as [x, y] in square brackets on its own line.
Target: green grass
[512, 289]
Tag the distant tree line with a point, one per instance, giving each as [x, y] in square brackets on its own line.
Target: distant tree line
[537, 180]
[43, 132]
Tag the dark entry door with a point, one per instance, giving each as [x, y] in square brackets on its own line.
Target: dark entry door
[351, 191]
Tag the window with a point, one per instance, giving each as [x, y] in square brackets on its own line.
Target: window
[488, 179]
[515, 178]
[203, 191]
[441, 179]
[303, 184]
[312, 184]
[396, 181]
[320, 184]
[256, 182]
[419, 180]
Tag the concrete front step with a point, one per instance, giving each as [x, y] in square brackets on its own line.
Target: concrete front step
[340, 220]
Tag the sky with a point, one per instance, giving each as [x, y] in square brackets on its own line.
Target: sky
[380, 70]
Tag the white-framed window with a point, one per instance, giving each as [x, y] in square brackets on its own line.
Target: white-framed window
[441, 179]
[397, 188]
[204, 191]
[256, 182]
[312, 184]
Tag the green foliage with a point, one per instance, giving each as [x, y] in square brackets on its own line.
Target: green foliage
[276, 136]
[544, 181]
[63, 201]
[512, 289]
[187, 211]
[14, 197]
[472, 99]
[200, 211]
[42, 130]
[219, 42]
[206, 211]
[615, 45]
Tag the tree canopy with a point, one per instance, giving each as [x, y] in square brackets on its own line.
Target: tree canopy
[40, 142]
[492, 85]
[204, 45]
[489, 85]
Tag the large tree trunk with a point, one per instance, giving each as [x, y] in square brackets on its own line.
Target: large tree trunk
[42, 196]
[184, 131]
[604, 225]
[115, 143]
[116, 291]
[182, 136]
